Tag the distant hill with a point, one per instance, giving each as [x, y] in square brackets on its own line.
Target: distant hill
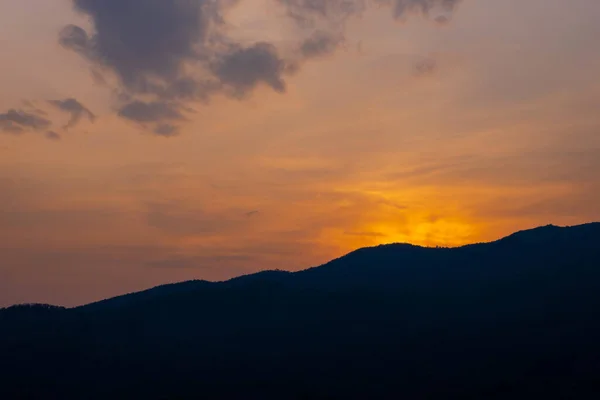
[515, 318]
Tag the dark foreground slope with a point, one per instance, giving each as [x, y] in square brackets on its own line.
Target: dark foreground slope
[516, 318]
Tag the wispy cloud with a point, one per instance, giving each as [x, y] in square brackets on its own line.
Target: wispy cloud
[75, 108]
[19, 121]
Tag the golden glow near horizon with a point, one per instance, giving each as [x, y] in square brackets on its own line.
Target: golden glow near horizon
[412, 131]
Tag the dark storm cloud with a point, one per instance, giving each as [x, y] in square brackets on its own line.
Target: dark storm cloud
[166, 130]
[18, 121]
[320, 44]
[244, 68]
[140, 111]
[143, 39]
[152, 45]
[426, 7]
[160, 117]
[75, 38]
[168, 53]
[311, 13]
[186, 88]
[327, 18]
[75, 108]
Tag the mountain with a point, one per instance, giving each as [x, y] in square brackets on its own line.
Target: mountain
[515, 318]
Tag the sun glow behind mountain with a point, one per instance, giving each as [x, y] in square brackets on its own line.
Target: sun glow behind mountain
[272, 136]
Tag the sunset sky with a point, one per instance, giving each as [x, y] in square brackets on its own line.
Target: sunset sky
[152, 141]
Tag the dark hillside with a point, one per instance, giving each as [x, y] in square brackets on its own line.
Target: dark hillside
[516, 318]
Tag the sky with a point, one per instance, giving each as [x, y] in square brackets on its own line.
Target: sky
[152, 141]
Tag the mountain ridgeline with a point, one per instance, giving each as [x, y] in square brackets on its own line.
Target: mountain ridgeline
[515, 318]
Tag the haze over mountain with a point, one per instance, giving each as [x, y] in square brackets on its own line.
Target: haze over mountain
[514, 318]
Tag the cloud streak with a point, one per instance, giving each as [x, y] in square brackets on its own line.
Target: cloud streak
[19, 121]
[52, 135]
[75, 108]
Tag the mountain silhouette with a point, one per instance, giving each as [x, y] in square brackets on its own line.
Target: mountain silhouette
[515, 318]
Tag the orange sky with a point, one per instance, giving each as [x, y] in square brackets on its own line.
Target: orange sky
[411, 131]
